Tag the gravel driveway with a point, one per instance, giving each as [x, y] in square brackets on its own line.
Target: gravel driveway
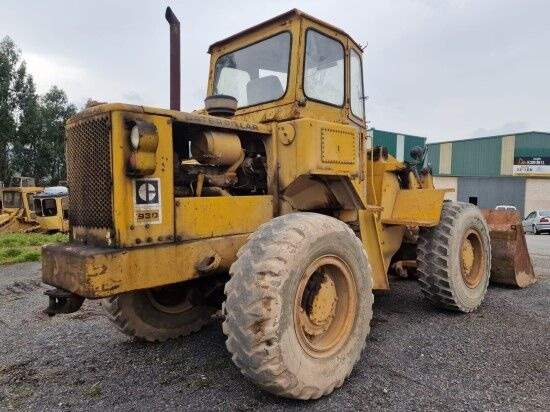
[417, 357]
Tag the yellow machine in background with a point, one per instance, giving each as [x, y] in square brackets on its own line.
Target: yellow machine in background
[275, 184]
[52, 209]
[18, 205]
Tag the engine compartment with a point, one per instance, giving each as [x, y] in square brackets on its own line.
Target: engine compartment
[216, 162]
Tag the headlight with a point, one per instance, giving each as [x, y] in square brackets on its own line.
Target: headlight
[134, 137]
[143, 141]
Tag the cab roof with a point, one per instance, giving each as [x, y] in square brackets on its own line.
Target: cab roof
[281, 17]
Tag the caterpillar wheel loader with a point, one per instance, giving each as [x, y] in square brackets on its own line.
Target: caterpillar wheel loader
[269, 200]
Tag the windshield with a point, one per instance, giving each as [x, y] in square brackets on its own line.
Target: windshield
[544, 212]
[255, 74]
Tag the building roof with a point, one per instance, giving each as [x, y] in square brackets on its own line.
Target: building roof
[374, 129]
[281, 17]
[489, 137]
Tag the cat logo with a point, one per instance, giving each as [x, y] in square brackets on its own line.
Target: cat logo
[147, 198]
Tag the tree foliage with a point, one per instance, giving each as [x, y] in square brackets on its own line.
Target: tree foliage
[32, 127]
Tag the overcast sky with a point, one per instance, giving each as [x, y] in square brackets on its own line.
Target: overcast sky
[437, 68]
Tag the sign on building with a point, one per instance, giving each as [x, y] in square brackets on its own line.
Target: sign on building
[532, 166]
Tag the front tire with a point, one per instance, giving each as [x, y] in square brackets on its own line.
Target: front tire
[298, 305]
[454, 258]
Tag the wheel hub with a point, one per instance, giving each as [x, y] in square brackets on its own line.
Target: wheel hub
[472, 258]
[325, 306]
[324, 303]
[170, 299]
[467, 256]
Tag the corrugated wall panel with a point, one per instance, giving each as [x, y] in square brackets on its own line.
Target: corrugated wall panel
[386, 139]
[476, 157]
[445, 158]
[507, 155]
[532, 144]
[390, 140]
[433, 157]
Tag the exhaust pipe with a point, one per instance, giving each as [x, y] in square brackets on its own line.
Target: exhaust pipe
[174, 59]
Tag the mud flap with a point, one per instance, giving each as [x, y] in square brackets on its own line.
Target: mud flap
[510, 263]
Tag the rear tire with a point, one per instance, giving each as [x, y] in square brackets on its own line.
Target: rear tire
[535, 231]
[298, 305]
[454, 258]
[156, 315]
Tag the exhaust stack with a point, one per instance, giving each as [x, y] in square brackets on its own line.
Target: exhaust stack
[175, 87]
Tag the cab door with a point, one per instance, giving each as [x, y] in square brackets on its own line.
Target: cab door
[355, 106]
[355, 89]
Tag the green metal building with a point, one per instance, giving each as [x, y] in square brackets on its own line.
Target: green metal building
[399, 144]
[512, 169]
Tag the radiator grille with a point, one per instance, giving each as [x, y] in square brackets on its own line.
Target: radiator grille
[89, 173]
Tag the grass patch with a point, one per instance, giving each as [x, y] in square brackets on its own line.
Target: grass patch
[31, 239]
[25, 247]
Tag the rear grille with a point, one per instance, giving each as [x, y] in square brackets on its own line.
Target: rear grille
[89, 173]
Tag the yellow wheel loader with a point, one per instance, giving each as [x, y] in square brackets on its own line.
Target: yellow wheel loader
[270, 200]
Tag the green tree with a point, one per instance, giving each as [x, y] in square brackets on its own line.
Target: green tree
[27, 153]
[55, 111]
[32, 128]
[13, 77]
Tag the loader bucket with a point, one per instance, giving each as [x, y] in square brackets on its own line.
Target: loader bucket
[510, 262]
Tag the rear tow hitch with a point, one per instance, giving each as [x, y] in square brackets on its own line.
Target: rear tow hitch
[62, 301]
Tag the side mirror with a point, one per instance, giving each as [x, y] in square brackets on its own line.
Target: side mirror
[417, 153]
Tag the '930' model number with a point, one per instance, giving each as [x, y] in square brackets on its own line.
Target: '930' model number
[147, 216]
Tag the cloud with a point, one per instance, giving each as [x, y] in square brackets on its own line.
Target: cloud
[48, 71]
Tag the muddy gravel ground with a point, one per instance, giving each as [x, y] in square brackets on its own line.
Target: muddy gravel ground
[417, 357]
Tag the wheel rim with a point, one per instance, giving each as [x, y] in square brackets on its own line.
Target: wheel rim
[325, 306]
[170, 299]
[472, 258]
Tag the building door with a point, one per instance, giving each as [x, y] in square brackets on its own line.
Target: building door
[489, 192]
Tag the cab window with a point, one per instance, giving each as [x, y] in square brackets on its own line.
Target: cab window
[324, 69]
[38, 207]
[356, 85]
[49, 207]
[255, 74]
[12, 200]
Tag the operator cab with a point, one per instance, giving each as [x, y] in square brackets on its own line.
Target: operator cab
[292, 66]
